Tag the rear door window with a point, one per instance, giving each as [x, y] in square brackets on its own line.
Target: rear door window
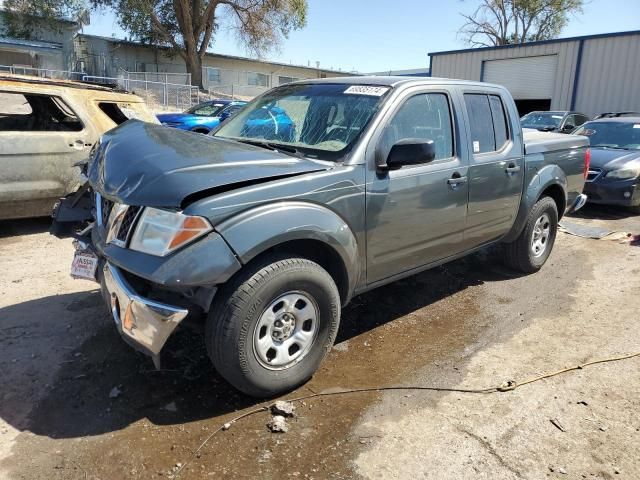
[488, 122]
[479, 110]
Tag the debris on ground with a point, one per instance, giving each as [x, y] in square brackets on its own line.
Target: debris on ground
[556, 423]
[283, 408]
[226, 426]
[115, 392]
[584, 231]
[278, 424]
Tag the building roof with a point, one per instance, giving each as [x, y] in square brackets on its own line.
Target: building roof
[30, 43]
[212, 54]
[540, 42]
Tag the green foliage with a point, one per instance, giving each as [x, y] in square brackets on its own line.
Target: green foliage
[24, 18]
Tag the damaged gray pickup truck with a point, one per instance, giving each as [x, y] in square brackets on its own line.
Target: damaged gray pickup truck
[264, 233]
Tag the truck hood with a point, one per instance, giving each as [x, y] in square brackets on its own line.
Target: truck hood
[610, 159]
[149, 165]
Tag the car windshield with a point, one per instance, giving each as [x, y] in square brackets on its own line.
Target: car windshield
[625, 135]
[208, 109]
[542, 120]
[318, 120]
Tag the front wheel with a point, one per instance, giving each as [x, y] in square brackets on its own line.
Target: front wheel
[271, 326]
[529, 252]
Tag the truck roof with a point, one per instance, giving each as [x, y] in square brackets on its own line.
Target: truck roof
[393, 81]
[6, 77]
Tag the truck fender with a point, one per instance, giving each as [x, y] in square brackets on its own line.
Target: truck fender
[255, 231]
[540, 181]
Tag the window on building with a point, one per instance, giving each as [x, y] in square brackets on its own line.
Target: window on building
[36, 113]
[425, 116]
[213, 75]
[257, 79]
[489, 128]
[283, 80]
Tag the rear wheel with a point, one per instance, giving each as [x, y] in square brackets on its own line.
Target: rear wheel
[270, 328]
[529, 252]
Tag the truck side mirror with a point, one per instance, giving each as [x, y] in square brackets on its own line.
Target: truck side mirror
[410, 151]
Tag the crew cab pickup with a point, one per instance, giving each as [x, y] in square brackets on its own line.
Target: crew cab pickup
[264, 234]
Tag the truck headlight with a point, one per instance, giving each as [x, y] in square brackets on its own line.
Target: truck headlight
[160, 232]
[624, 173]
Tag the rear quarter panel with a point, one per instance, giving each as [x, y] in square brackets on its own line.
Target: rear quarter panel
[551, 160]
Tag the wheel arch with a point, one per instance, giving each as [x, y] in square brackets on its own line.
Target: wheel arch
[309, 230]
[549, 181]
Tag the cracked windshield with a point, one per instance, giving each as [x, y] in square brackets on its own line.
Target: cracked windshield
[321, 120]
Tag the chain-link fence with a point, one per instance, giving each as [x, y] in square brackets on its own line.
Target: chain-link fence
[42, 72]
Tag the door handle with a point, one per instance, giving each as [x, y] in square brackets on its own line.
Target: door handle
[512, 168]
[78, 145]
[456, 180]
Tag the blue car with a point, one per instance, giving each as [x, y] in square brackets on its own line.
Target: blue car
[202, 118]
[271, 123]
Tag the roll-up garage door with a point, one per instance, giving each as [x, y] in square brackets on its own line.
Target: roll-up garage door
[526, 78]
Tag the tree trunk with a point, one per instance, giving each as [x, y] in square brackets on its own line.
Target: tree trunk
[194, 67]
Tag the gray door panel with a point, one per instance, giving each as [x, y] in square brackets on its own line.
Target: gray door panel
[414, 215]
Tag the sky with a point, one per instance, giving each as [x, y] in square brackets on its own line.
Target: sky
[372, 35]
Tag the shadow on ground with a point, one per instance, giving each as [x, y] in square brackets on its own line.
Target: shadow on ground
[26, 226]
[78, 401]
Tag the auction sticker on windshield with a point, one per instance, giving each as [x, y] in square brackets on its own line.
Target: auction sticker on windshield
[366, 90]
[84, 265]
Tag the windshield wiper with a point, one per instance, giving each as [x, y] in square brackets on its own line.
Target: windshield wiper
[275, 147]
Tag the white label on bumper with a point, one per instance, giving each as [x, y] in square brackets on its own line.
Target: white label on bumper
[84, 265]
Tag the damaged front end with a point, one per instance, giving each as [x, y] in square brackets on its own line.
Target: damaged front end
[143, 321]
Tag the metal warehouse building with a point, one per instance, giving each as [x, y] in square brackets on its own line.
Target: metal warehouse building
[590, 74]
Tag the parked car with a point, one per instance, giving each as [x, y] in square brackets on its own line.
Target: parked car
[202, 118]
[384, 177]
[46, 126]
[616, 114]
[562, 122]
[614, 174]
[269, 122]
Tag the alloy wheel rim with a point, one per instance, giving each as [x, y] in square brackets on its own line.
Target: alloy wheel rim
[540, 236]
[286, 331]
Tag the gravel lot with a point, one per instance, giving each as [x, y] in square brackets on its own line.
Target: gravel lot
[471, 323]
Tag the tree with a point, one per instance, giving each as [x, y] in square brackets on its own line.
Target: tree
[23, 18]
[186, 27]
[503, 22]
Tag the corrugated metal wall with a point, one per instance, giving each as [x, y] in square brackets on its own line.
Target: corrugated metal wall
[609, 75]
[609, 72]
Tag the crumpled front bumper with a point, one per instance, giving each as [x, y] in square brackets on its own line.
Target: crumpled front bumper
[143, 323]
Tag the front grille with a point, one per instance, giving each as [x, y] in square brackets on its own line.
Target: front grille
[127, 223]
[117, 220]
[106, 207]
[593, 174]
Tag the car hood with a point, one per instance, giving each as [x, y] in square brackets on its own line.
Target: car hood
[149, 165]
[610, 159]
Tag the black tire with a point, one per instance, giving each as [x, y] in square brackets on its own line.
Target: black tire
[520, 254]
[239, 305]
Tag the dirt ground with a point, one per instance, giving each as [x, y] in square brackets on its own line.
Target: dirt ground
[471, 323]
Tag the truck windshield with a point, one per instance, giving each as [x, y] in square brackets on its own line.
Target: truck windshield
[623, 135]
[318, 120]
[541, 120]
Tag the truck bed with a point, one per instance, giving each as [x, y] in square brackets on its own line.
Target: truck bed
[536, 141]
